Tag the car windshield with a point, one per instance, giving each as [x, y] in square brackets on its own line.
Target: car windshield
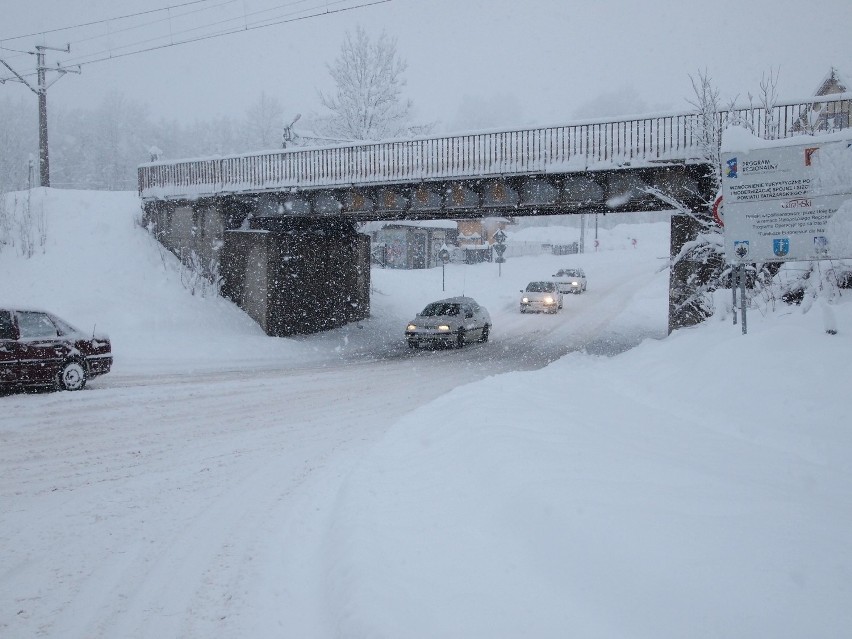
[568, 272]
[64, 327]
[539, 287]
[440, 309]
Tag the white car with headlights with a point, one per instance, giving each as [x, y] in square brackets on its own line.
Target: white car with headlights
[454, 321]
[541, 297]
[570, 280]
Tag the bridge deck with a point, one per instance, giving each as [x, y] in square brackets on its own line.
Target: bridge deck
[573, 148]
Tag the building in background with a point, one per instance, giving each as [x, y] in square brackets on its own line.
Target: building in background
[414, 244]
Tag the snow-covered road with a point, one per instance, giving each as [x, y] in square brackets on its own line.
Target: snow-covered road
[183, 486]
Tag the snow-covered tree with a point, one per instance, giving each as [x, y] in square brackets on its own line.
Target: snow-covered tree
[699, 267]
[367, 103]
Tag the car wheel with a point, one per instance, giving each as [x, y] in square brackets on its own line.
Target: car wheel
[460, 339]
[485, 330]
[72, 376]
[412, 344]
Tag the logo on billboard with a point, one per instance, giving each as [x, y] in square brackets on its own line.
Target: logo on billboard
[821, 245]
[798, 203]
[732, 168]
[741, 248]
[781, 246]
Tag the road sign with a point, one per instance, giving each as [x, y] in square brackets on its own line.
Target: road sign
[444, 255]
[500, 237]
[718, 213]
[499, 259]
[500, 249]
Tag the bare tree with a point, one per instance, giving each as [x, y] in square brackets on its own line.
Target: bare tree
[761, 107]
[709, 130]
[367, 103]
[264, 123]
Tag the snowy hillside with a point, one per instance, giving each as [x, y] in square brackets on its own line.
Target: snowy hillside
[581, 474]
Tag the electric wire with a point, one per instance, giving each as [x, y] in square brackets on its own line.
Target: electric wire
[288, 17]
[106, 20]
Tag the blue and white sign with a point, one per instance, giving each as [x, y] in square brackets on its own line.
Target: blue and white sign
[781, 247]
[787, 200]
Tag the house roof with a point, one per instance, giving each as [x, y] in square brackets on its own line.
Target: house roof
[370, 227]
[833, 82]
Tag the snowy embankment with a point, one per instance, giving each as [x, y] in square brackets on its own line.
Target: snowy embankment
[693, 486]
[697, 487]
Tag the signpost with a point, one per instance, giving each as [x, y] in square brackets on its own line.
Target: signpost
[500, 248]
[444, 256]
[784, 200]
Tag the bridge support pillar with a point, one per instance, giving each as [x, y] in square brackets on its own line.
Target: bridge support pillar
[294, 276]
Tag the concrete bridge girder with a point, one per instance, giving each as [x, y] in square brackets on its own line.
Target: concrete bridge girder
[499, 194]
[391, 200]
[579, 191]
[539, 192]
[461, 195]
[294, 205]
[357, 202]
[426, 198]
[326, 203]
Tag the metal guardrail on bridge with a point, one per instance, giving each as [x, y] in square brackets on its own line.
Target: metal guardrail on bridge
[549, 150]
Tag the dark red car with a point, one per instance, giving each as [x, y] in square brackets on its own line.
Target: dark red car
[40, 349]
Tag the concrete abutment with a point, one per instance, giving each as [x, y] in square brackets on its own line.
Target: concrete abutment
[292, 276]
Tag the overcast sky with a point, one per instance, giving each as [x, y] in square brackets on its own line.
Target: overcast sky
[470, 62]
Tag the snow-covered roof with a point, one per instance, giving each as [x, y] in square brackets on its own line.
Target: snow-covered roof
[371, 227]
[832, 82]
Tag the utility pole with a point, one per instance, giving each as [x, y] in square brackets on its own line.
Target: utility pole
[41, 91]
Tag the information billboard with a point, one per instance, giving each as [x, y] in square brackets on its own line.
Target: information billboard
[787, 200]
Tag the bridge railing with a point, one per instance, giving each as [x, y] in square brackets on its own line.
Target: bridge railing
[559, 149]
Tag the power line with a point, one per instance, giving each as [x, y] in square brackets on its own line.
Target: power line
[96, 22]
[168, 18]
[242, 18]
[107, 54]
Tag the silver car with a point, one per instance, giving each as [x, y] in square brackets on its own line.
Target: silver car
[541, 297]
[454, 321]
[570, 280]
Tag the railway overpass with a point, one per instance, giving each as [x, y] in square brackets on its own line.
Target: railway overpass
[279, 225]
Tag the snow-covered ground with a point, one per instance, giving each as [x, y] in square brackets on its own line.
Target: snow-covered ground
[579, 475]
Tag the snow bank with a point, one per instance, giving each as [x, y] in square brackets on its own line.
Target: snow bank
[697, 487]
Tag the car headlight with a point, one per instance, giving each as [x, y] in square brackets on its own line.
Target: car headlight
[443, 327]
[525, 300]
[548, 300]
[411, 327]
[575, 283]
